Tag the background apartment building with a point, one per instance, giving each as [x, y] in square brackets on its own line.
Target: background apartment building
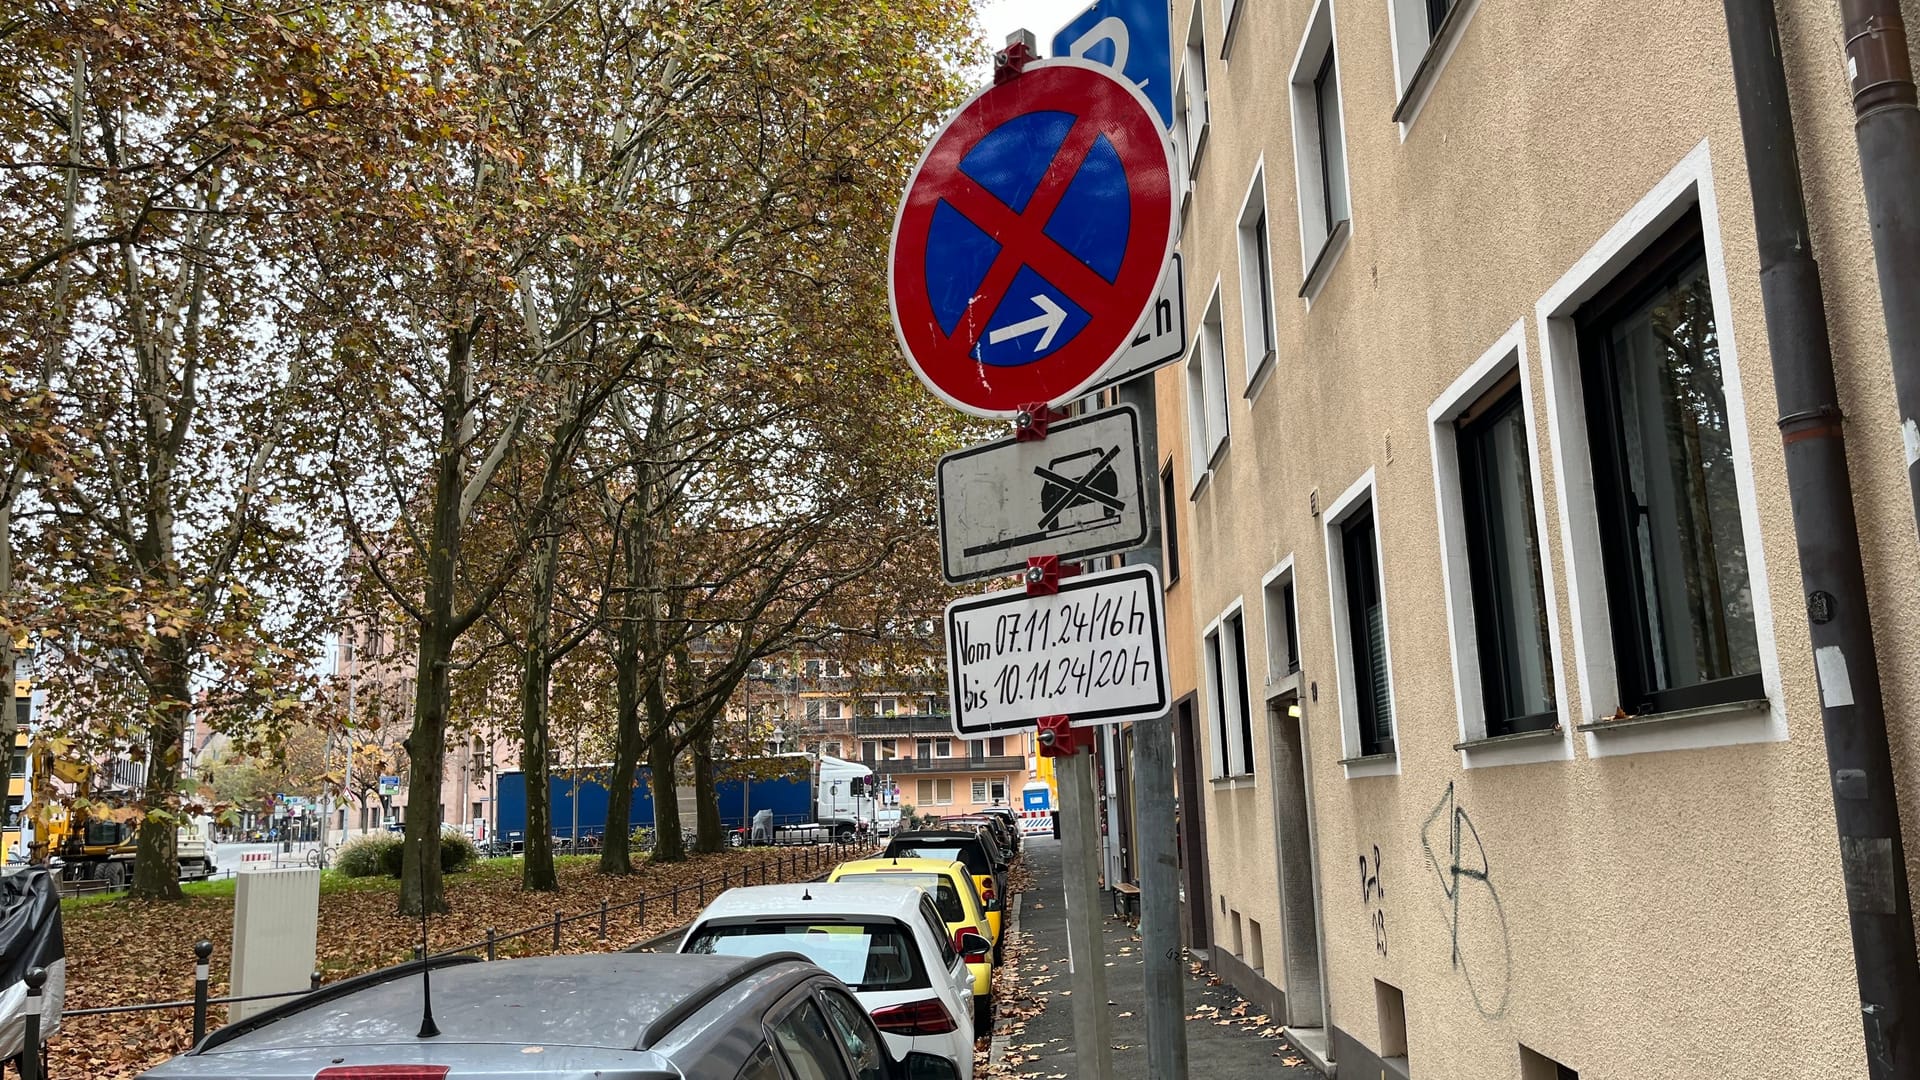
[1503, 735]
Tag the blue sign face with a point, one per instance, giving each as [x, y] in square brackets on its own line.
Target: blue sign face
[1036, 799]
[1088, 222]
[1134, 36]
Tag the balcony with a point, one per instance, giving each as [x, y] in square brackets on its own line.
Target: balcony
[962, 764]
[903, 724]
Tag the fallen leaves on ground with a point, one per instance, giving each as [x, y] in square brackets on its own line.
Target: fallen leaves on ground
[129, 951]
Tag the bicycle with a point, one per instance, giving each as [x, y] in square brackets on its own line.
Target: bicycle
[322, 857]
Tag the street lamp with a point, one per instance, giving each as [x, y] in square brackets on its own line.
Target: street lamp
[779, 738]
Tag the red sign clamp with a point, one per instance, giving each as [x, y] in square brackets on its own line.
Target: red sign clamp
[1056, 736]
[1044, 573]
[1030, 424]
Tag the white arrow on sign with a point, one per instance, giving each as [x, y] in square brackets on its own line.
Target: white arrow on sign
[1049, 320]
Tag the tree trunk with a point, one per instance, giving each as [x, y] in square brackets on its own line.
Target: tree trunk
[536, 869]
[10, 716]
[615, 850]
[156, 865]
[708, 837]
[668, 846]
[426, 746]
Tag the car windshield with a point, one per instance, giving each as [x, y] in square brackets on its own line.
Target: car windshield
[971, 854]
[945, 897]
[879, 955]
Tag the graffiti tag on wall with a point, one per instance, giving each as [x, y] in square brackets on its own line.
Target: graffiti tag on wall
[1478, 925]
[1372, 897]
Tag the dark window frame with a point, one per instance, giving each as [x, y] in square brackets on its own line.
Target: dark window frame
[1264, 259]
[1494, 633]
[1364, 589]
[1238, 624]
[1437, 16]
[1321, 80]
[1674, 255]
[1290, 618]
[1169, 523]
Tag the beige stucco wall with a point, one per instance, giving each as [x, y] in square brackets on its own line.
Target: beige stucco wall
[1672, 914]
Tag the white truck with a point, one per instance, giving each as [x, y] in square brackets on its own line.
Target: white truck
[815, 797]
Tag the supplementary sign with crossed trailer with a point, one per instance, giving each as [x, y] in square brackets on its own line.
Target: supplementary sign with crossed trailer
[1078, 492]
[1032, 236]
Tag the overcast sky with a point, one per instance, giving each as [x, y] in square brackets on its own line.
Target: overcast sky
[998, 18]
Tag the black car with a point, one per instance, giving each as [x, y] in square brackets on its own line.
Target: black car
[983, 857]
[608, 1016]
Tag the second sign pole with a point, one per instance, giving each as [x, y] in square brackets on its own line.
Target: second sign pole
[1080, 835]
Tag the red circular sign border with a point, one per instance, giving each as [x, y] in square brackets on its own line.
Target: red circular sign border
[1087, 357]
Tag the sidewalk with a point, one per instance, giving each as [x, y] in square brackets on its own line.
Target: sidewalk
[1226, 1035]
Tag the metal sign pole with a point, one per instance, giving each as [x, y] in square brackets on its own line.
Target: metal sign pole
[1155, 840]
[1080, 835]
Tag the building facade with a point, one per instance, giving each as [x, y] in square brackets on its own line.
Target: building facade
[1501, 746]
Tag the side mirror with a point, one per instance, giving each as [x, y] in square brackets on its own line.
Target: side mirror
[919, 1066]
[993, 904]
[973, 946]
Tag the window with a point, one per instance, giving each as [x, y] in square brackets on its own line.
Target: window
[889, 749]
[856, 1033]
[1283, 626]
[1360, 628]
[832, 749]
[1169, 523]
[1256, 280]
[1537, 1066]
[1207, 393]
[761, 1066]
[976, 749]
[834, 669]
[1228, 709]
[807, 1044]
[925, 792]
[923, 749]
[943, 748]
[1503, 557]
[932, 707]
[1679, 596]
[813, 669]
[979, 791]
[1319, 149]
[998, 791]
[1190, 95]
[869, 753]
[1423, 34]
[813, 712]
[832, 710]
[997, 745]
[936, 792]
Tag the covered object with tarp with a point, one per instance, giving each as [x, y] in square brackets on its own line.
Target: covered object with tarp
[30, 937]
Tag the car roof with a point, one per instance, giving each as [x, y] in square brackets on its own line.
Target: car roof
[615, 1001]
[898, 901]
[886, 864]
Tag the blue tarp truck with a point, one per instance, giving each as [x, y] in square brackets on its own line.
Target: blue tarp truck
[823, 795]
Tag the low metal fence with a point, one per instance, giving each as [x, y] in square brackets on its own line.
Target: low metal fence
[786, 864]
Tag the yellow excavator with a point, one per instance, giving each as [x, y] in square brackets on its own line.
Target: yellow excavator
[95, 843]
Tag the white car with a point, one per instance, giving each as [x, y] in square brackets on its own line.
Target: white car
[886, 942]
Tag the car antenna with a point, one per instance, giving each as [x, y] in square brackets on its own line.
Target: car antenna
[428, 1029]
[806, 893]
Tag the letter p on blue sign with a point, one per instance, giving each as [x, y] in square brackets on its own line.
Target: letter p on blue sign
[1134, 37]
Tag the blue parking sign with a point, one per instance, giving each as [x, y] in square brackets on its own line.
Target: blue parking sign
[1134, 36]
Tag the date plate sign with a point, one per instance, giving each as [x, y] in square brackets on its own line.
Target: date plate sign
[1095, 651]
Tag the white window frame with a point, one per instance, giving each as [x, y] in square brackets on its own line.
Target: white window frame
[1469, 703]
[1320, 247]
[1230, 12]
[1690, 183]
[1363, 491]
[1206, 388]
[1257, 305]
[979, 792]
[1232, 755]
[1406, 27]
[1273, 617]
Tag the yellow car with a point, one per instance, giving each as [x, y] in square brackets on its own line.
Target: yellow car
[953, 894]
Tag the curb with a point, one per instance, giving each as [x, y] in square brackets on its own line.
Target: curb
[997, 1051]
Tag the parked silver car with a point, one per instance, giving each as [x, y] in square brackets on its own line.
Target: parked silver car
[609, 1016]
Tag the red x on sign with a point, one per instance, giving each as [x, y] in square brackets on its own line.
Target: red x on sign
[1031, 238]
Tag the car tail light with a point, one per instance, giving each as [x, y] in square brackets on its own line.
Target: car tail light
[927, 1017]
[384, 1072]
